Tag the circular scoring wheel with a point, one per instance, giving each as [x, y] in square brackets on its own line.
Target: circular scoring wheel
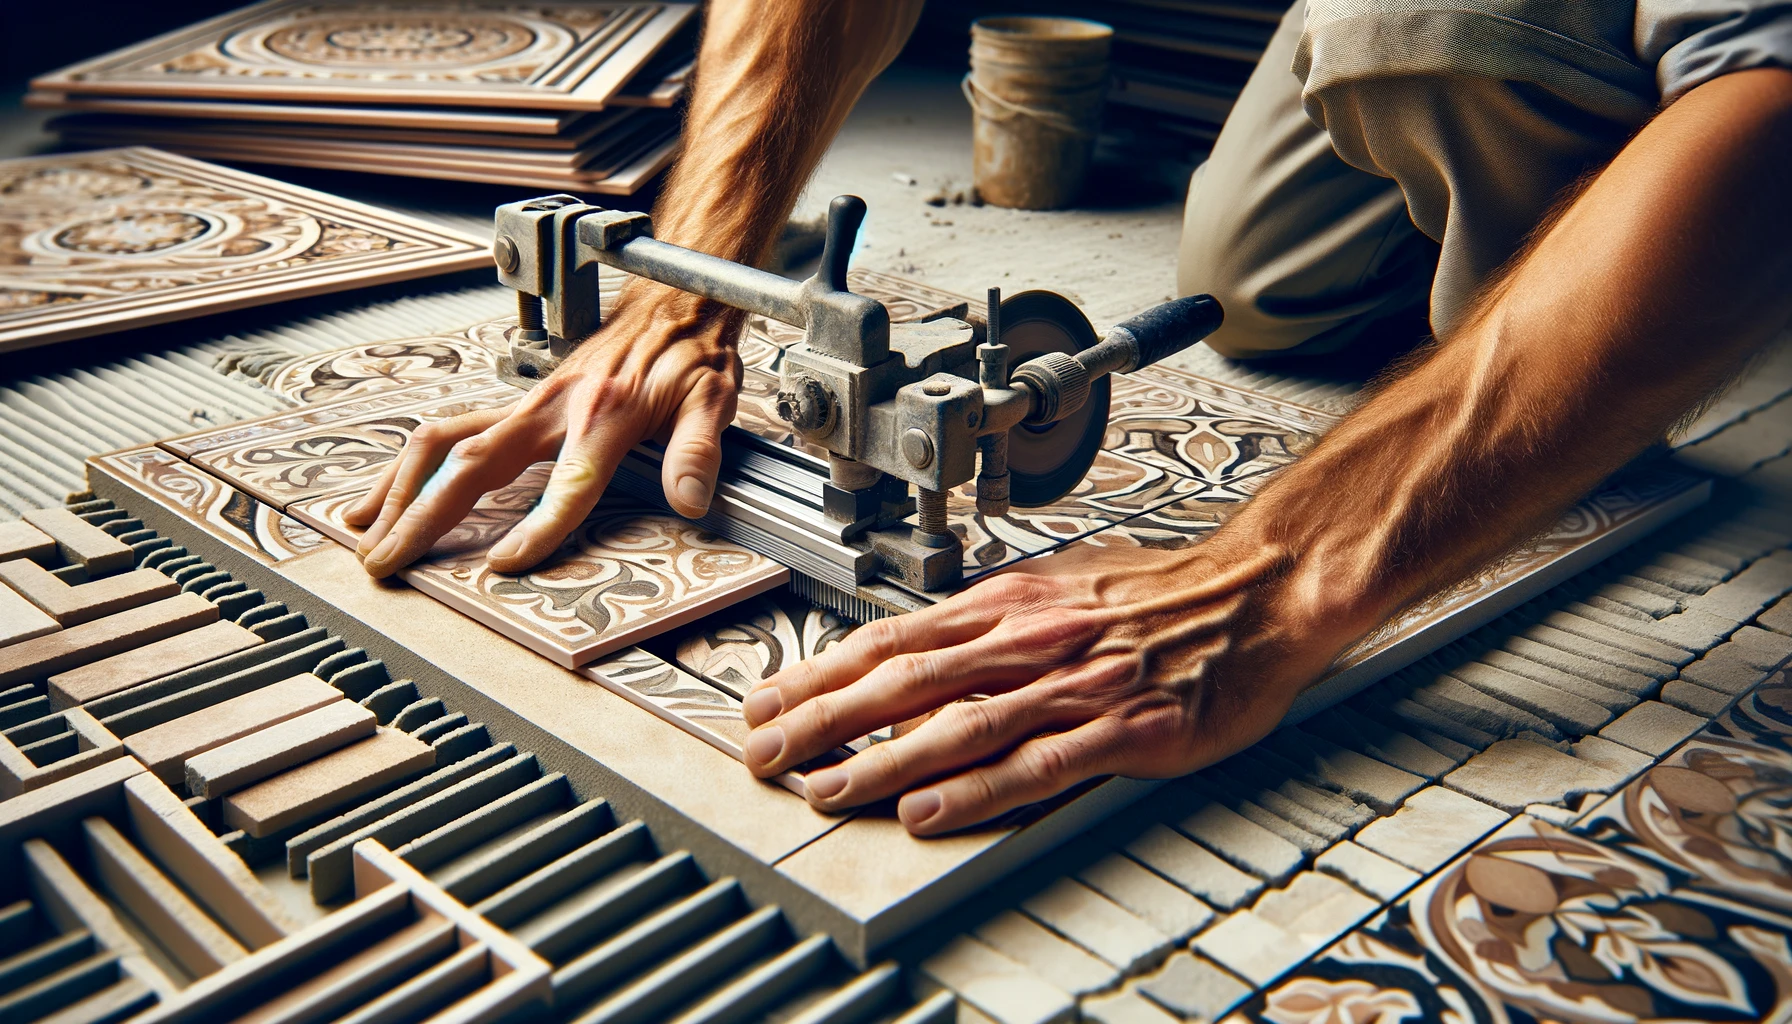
[1046, 463]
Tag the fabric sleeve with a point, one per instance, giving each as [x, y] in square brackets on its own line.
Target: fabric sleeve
[1691, 42]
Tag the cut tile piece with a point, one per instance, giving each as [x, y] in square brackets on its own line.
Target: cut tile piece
[1194, 987]
[1315, 908]
[1125, 1006]
[1778, 618]
[1579, 682]
[175, 921]
[1133, 886]
[47, 655]
[1046, 954]
[1700, 700]
[1598, 648]
[757, 639]
[22, 540]
[151, 661]
[1434, 825]
[1653, 727]
[1189, 865]
[21, 620]
[1244, 843]
[328, 782]
[1367, 870]
[164, 748]
[270, 751]
[81, 542]
[996, 986]
[1360, 778]
[71, 606]
[1256, 950]
[1097, 924]
[256, 529]
[1573, 714]
[625, 575]
[1613, 757]
[1513, 773]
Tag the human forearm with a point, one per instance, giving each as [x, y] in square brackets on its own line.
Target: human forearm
[1649, 291]
[775, 80]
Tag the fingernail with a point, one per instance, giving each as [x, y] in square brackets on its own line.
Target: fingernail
[508, 547]
[761, 706]
[693, 492]
[764, 745]
[915, 808]
[383, 549]
[827, 783]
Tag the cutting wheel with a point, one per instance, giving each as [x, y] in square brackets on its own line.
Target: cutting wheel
[1045, 463]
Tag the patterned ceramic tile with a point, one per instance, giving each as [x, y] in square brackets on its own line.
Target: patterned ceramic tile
[707, 712]
[345, 454]
[221, 510]
[757, 639]
[482, 52]
[99, 241]
[350, 409]
[625, 575]
[1188, 425]
[1763, 716]
[1540, 924]
[364, 369]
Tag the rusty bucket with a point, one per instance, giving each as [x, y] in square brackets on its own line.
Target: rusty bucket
[1036, 87]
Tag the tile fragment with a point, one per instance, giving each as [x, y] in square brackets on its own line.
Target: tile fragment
[35, 659]
[1612, 756]
[1609, 665]
[164, 748]
[1581, 680]
[71, 606]
[270, 751]
[1653, 728]
[330, 781]
[151, 661]
[1245, 844]
[1699, 700]
[1046, 954]
[1617, 637]
[1194, 987]
[1454, 699]
[1572, 714]
[19, 539]
[21, 620]
[1097, 924]
[1126, 1006]
[996, 986]
[1191, 866]
[81, 542]
[1434, 825]
[1513, 773]
[1367, 870]
[1169, 909]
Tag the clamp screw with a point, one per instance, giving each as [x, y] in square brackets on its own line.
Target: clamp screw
[505, 254]
[917, 448]
[806, 405]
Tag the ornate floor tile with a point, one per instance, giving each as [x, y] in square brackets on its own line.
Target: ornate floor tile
[221, 510]
[1538, 923]
[1219, 435]
[346, 410]
[757, 639]
[482, 52]
[105, 240]
[705, 711]
[345, 373]
[625, 575]
[345, 454]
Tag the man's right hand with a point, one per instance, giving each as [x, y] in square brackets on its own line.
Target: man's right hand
[664, 368]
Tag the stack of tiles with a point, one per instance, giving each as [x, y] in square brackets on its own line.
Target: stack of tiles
[570, 96]
[211, 807]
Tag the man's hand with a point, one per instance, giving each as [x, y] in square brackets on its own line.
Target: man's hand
[1094, 661]
[663, 369]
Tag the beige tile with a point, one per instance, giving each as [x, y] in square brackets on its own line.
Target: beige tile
[626, 575]
[22, 540]
[1434, 825]
[151, 661]
[689, 775]
[1188, 864]
[1253, 948]
[1097, 924]
[80, 541]
[270, 751]
[1514, 773]
[1367, 870]
[73, 605]
[21, 620]
[1001, 989]
[70, 648]
[1030, 944]
[176, 922]
[327, 782]
[164, 749]
[1135, 887]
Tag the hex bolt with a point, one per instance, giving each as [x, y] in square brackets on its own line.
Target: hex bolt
[505, 255]
[917, 448]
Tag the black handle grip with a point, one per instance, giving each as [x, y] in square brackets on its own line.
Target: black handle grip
[1167, 329]
[845, 215]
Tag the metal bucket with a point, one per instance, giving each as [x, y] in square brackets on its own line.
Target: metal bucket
[1036, 87]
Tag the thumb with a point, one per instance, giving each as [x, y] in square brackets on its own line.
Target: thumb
[694, 453]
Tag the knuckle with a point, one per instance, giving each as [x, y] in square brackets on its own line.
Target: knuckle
[976, 724]
[914, 673]
[1044, 764]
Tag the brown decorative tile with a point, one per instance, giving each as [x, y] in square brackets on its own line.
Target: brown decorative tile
[211, 504]
[757, 639]
[626, 575]
[189, 446]
[347, 453]
[1219, 435]
[104, 240]
[497, 53]
[364, 369]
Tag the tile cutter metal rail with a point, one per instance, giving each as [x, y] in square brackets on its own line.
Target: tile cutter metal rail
[1018, 401]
